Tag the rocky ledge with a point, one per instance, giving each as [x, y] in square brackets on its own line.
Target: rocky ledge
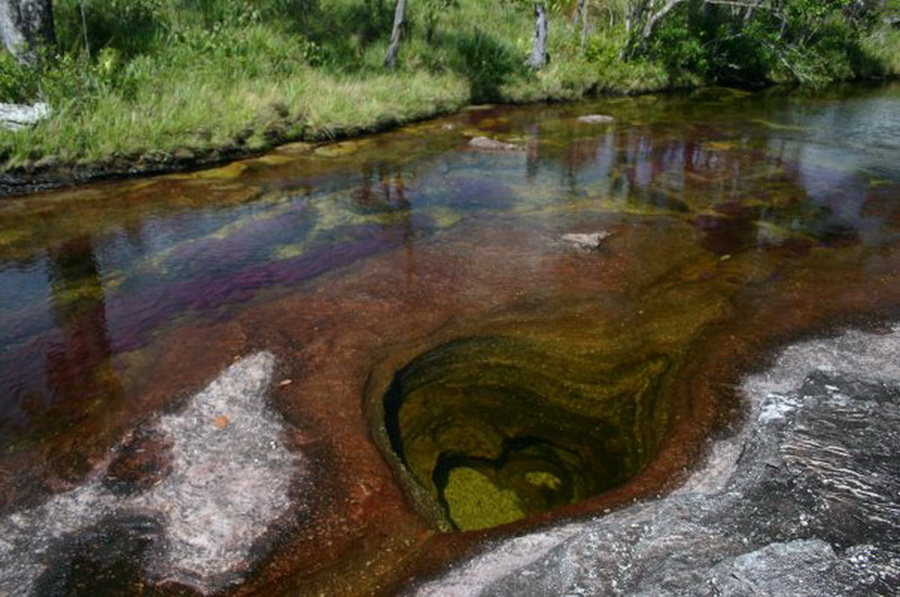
[803, 500]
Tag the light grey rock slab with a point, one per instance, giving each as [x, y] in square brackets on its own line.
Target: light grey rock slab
[803, 500]
[19, 116]
[230, 480]
[584, 241]
[488, 144]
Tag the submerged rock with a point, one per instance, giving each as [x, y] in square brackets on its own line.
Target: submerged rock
[14, 117]
[596, 119]
[211, 496]
[585, 241]
[489, 144]
[802, 500]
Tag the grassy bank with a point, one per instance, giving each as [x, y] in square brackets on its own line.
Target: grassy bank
[132, 80]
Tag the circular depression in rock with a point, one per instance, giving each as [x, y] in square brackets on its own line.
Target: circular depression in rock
[498, 429]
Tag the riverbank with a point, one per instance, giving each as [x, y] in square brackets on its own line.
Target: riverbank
[262, 133]
[201, 86]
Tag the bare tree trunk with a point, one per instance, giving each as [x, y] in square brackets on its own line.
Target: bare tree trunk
[656, 17]
[25, 27]
[577, 16]
[390, 59]
[643, 18]
[583, 8]
[538, 57]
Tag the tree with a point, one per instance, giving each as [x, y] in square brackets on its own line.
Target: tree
[581, 14]
[25, 27]
[538, 57]
[642, 18]
[390, 59]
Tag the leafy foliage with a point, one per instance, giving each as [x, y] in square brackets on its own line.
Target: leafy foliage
[808, 41]
[18, 83]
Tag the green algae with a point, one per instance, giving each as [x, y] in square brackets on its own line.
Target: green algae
[477, 501]
[500, 428]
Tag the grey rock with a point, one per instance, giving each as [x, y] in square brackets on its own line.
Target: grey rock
[486, 143]
[230, 481]
[18, 116]
[803, 500]
[596, 119]
[589, 241]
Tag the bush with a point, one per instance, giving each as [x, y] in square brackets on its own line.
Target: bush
[808, 41]
[131, 27]
[18, 84]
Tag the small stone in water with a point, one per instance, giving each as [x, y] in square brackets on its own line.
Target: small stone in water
[585, 241]
[491, 144]
[596, 119]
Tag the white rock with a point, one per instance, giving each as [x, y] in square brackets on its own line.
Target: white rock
[590, 241]
[596, 119]
[18, 116]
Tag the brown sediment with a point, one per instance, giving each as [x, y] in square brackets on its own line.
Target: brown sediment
[342, 339]
[362, 531]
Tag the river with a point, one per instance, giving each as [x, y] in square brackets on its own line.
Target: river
[467, 341]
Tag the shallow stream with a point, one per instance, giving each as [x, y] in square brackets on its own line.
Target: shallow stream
[465, 339]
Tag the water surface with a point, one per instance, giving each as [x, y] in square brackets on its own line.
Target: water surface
[389, 259]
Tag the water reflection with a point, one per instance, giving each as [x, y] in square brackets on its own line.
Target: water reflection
[78, 367]
[78, 377]
[383, 192]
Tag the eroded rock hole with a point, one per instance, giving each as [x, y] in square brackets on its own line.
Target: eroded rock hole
[498, 429]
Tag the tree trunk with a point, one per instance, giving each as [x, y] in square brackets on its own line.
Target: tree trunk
[583, 8]
[25, 27]
[577, 16]
[538, 56]
[390, 59]
[643, 18]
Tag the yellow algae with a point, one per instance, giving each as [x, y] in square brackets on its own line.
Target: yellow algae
[142, 184]
[289, 252]
[344, 148]
[298, 148]
[543, 479]
[445, 217]
[232, 170]
[778, 126]
[720, 145]
[274, 159]
[477, 503]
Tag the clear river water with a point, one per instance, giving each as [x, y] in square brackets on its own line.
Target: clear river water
[468, 340]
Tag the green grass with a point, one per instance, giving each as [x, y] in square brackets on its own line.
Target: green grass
[207, 109]
[131, 78]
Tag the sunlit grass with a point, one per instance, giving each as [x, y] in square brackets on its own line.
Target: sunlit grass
[156, 77]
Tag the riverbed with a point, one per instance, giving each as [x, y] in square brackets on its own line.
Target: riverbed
[453, 342]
